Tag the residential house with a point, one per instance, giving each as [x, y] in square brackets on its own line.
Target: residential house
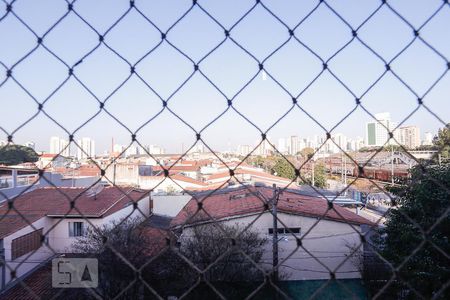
[45, 222]
[315, 238]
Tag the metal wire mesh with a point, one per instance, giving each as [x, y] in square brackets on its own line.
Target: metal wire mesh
[225, 34]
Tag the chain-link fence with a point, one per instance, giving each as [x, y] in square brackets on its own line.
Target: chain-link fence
[204, 75]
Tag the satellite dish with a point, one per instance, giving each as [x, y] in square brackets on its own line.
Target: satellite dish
[94, 190]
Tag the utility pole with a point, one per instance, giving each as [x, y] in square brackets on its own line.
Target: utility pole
[275, 232]
[392, 164]
[345, 174]
[312, 175]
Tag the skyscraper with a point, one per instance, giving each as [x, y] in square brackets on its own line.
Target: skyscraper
[293, 145]
[86, 148]
[282, 145]
[59, 146]
[428, 139]
[409, 136]
[377, 132]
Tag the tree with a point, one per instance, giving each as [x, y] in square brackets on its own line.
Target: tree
[207, 243]
[121, 244]
[422, 206]
[307, 153]
[112, 244]
[320, 176]
[220, 251]
[17, 154]
[442, 141]
[266, 163]
[283, 168]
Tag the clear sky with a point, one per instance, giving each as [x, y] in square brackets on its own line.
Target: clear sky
[263, 101]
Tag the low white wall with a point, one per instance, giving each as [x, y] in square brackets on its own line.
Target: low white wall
[328, 241]
[169, 205]
[164, 184]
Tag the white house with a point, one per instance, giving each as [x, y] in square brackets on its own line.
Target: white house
[43, 224]
[318, 241]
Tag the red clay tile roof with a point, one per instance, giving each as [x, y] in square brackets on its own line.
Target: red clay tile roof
[90, 170]
[187, 179]
[157, 239]
[39, 282]
[245, 202]
[56, 202]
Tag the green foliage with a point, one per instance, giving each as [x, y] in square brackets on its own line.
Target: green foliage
[320, 177]
[307, 152]
[425, 200]
[426, 147]
[385, 148]
[283, 168]
[265, 163]
[17, 154]
[442, 141]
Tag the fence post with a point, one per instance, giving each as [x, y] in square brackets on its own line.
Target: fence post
[275, 233]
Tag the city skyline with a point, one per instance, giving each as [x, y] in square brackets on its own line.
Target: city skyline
[348, 143]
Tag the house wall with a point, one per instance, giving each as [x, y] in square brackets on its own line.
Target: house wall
[169, 205]
[123, 173]
[59, 236]
[328, 241]
[27, 262]
[161, 185]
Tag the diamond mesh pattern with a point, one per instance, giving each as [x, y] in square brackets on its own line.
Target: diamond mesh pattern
[140, 69]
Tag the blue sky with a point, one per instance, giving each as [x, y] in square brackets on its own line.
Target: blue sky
[263, 102]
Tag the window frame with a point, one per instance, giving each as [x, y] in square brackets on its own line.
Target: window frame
[284, 231]
[74, 231]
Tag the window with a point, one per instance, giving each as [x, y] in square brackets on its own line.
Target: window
[76, 229]
[294, 230]
[26, 243]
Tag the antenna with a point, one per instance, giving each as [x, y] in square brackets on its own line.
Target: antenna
[94, 190]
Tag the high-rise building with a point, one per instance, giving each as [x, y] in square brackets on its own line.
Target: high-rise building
[341, 142]
[409, 136]
[132, 150]
[428, 139]
[293, 145]
[156, 149]
[244, 150]
[59, 146]
[282, 145]
[359, 143]
[264, 148]
[117, 148]
[86, 148]
[377, 132]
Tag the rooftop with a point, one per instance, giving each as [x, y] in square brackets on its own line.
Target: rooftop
[255, 200]
[55, 202]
